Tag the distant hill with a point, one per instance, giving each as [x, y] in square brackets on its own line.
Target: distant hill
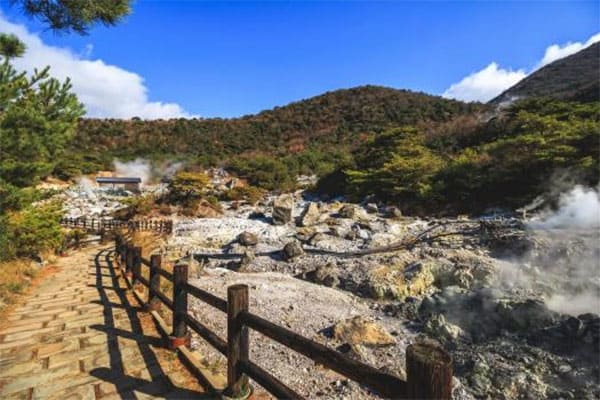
[337, 118]
[576, 77]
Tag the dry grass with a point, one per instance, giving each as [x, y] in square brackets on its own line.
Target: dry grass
[16, 276]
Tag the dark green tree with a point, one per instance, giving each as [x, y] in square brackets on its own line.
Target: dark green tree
[38, 115]
[11, 46]
[75, 15]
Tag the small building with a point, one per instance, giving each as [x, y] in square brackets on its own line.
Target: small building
[128, 183]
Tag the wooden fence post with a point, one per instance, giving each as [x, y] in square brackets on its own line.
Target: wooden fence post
[136, 267]
[128, 260]
[119, 249]
[237, 341]
[180, 334]
[428, 372]
[153, 301]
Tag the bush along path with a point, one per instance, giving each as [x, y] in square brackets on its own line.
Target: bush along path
[81, 335]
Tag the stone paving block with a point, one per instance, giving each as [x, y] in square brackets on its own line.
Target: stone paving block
[22, 327]
[27, 321]
[14, 370]
[76, 387]
[77, 323]
[50, 349]
[17, 343]
[19, 383]
[21, 395]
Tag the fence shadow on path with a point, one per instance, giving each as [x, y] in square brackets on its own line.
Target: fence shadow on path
[133, 366]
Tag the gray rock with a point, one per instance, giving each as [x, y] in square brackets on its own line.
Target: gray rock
[372, 208]
[347, 211]
[283, 207]
[393, 212]
[326, 275]
[310, 215]
[316, 238]
[247, 239]
[292, 250]
[247, 258]
[443, 330]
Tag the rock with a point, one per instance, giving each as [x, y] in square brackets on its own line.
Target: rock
[360, 331]
[441, 329]
[372, 208]
[310, 215]
[283, 207]
[292, 250]
[247, 238]
[247, 258]
[393, 212]
[316, 238]
[347, 211]
[525, 315]
[206, 210]
[397, 283]
[326, 275]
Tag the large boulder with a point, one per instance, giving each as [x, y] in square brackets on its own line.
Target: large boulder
[283, 207]
[396, 282]
[310, 215]
[360, 331]
[292, 250]
[248, 239]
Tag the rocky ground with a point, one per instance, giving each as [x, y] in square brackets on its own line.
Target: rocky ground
[516, 307]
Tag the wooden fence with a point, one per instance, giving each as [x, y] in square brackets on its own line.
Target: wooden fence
[428, 367]
[102, 225]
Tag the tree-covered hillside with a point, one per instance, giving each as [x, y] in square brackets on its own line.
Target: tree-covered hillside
[469, 166]
[340, 118]
[576, 77]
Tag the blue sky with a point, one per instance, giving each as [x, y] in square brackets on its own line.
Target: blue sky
[229, 59]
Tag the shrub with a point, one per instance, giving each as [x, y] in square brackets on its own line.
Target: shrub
[249, 193]
[29, 232]
[188, 185]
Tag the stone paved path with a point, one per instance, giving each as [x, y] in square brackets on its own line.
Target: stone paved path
[80, 335]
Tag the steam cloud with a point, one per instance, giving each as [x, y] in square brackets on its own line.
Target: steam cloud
[572, 262]
[139, 168]
[579, 208]
[147, 171]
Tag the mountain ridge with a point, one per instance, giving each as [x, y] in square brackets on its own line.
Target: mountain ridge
[575, 77]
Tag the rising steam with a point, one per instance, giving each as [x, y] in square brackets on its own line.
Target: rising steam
[139, 168]
[571, 263]
[579, 208]
[147, 171]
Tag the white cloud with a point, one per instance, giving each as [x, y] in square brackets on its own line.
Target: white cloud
[489, 82]
[105, 90]
[556, 52]
[484, 85]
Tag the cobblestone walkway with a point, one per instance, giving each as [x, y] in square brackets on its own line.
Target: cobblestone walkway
[80, 335]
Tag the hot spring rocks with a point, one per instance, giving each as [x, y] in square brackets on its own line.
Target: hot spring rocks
[283, 208]
[360, 331]
[397, 282]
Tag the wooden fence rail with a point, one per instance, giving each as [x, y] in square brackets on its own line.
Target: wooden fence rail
[102, 225]
[429, 368]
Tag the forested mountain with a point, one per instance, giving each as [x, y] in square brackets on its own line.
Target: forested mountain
[425, 152]
[576, 77]
[338, 118]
